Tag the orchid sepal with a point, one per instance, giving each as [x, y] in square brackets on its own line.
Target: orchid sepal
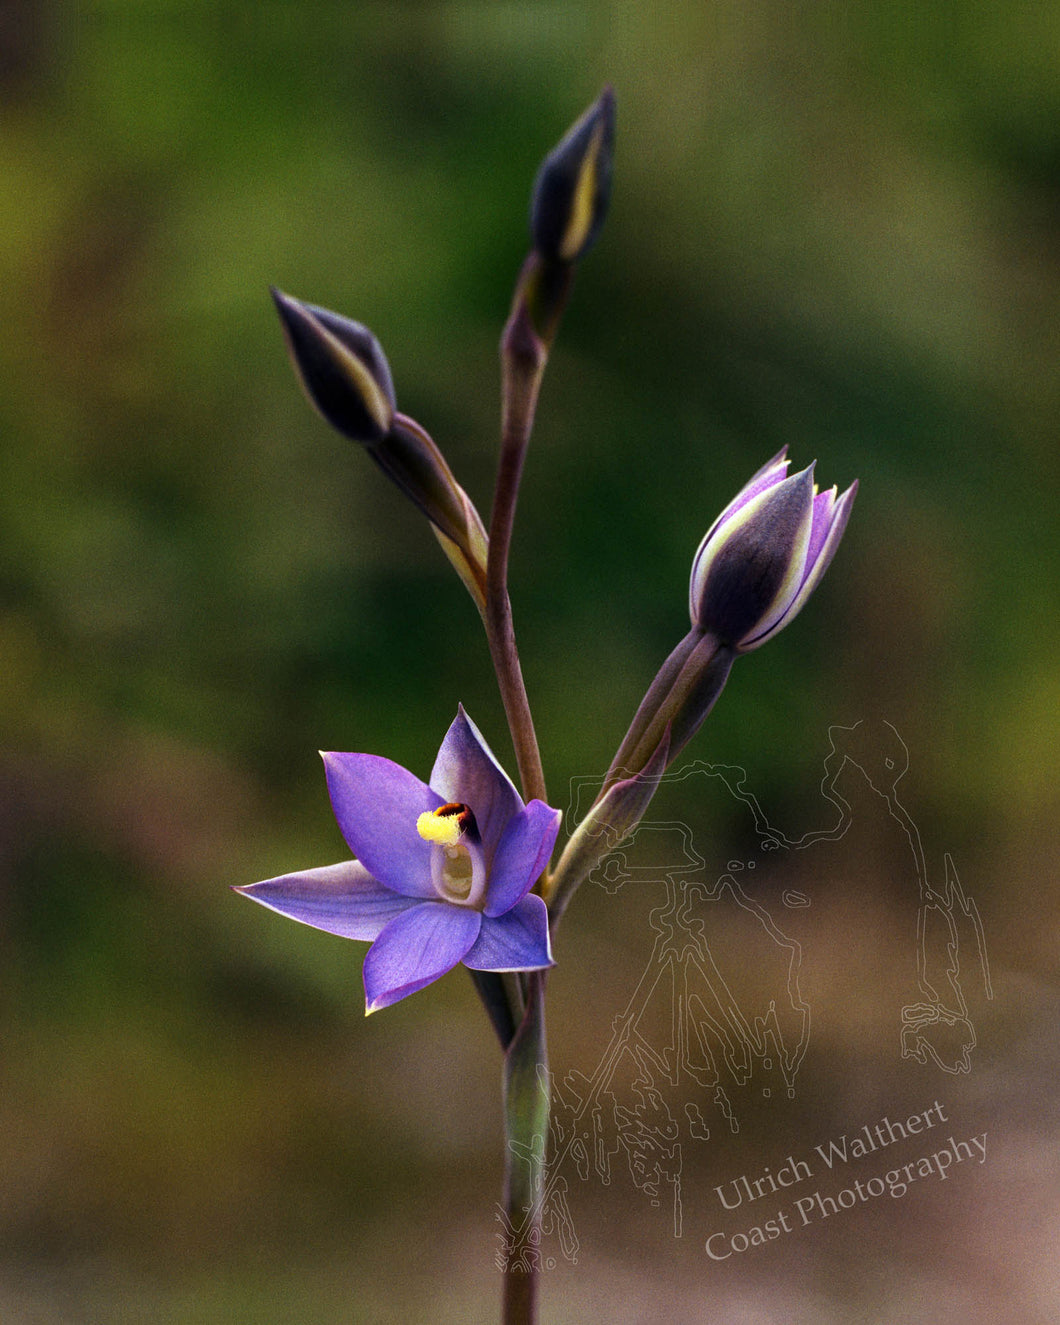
[764, 555]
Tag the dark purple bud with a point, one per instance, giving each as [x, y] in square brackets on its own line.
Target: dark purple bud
[573, 186]
[341, 367]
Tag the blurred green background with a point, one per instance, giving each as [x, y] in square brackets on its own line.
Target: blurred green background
[833, 227]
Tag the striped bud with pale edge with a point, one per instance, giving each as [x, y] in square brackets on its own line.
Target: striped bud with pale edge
[342, 368]
[765, 555]
[573, 186]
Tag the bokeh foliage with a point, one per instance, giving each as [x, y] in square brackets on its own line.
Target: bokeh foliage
[832, 230]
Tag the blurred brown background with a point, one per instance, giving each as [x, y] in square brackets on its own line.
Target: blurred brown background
[832, 227]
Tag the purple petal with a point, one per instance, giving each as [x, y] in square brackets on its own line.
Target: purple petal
[753, 567]
[517, 941]
[824, 506]
[416, 948]
[832, 531]
[786, 531]
[521, 855]
[377, 803]
[342, 899]
[771, 473]
[466, 770]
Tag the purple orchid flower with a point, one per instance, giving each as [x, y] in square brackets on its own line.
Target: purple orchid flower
[443, 870]
[765, 554]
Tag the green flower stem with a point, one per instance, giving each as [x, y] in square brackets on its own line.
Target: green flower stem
[526, 1116]
[502, 1001]
[612, 817]
[683, 693]
[540, 296]
[622, 765]
[694, 693]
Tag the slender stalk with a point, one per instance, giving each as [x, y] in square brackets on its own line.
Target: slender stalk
[502, 1003]
[699, 681]
[540, 296]
[668, 673]
[523, 359]
[526, 1113]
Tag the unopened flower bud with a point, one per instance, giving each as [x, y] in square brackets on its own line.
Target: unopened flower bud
[573, 186]
[410, 457]
[342, 367]
[765, 554]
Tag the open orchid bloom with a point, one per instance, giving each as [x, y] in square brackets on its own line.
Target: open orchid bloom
[443, 870]
[765, 554]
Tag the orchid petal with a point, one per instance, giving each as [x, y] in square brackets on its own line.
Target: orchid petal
[823, 516]
[516, 941]
[467, 770]
[416, 948]
[377, 803]
[396, 894]
[521, 855]
[771, 473]
[764, 555]
[754, 564]
[826, 544]
[342, 899]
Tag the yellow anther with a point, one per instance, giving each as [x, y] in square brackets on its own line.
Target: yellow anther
[443, 829]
